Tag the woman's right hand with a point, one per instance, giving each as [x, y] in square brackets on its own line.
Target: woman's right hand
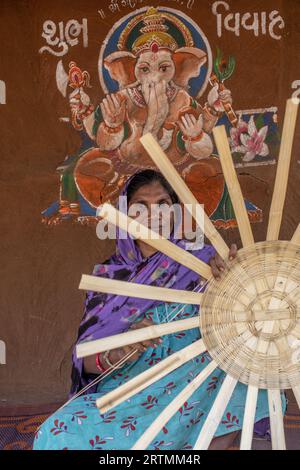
[117, 354]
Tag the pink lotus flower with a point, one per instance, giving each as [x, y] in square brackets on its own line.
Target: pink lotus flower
[235, 134]
[252, 143]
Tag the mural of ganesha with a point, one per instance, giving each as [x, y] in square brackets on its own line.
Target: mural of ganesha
[154, 67]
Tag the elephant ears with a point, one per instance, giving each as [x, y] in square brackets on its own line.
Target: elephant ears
[121, 66]
[188, 62]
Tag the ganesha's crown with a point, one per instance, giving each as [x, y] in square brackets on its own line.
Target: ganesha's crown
[154, 22]
[155, 35]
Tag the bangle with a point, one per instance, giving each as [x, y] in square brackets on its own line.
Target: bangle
[112, 130]
[106, 358]
[88, 112]
[193, 139]
[99, 364]
[211, 111]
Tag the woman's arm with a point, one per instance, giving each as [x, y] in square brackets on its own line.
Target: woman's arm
[90, 364]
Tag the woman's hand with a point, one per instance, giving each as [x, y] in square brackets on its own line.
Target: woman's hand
[217, 263]
[117, 354]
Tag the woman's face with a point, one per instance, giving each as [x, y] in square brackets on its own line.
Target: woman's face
[151, 205]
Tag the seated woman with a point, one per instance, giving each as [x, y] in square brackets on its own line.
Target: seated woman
[79, 424]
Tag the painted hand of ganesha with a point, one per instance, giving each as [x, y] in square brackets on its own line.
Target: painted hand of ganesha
[113, 111]
[217, 98]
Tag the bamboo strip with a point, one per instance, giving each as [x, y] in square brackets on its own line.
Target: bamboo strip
[87, 348]
[141, 291]
[276, 420]
[149, 376]
[283, 166]
[296, 390]
[233, 185]
[249, 418]
[184, 193]
[296, 237]
[169, 411]
[215, 415]
[139, 231]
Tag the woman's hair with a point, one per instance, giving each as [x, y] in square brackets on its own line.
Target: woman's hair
[147, 177]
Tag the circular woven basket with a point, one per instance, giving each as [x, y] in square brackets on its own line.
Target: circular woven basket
[262, 283]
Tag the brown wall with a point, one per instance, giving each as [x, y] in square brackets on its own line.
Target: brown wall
[41, 305]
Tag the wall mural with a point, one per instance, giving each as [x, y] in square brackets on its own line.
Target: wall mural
[158, 74]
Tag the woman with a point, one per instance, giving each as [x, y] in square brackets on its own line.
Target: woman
[79, 425]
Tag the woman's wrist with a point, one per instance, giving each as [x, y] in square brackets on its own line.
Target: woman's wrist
[112, 357]
[100, 363]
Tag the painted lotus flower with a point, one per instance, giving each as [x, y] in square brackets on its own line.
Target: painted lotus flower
[251, 143]
[235, 134]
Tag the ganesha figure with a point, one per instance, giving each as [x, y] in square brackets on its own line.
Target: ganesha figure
[153, 97]
[153, 81]
[151, 72]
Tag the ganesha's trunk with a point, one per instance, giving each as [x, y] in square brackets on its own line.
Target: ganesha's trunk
[155, 96]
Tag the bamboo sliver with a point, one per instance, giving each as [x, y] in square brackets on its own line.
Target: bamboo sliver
[296, 237]
[276, 420]
[296, 390]
[149, 376]
[283, 166]
[249, 417]
[215, 415]
[88, 348]
[131, 289]
[233, 185]
[280, 187]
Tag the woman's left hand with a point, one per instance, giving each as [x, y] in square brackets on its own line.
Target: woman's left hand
[217, 263]
[147, 342]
